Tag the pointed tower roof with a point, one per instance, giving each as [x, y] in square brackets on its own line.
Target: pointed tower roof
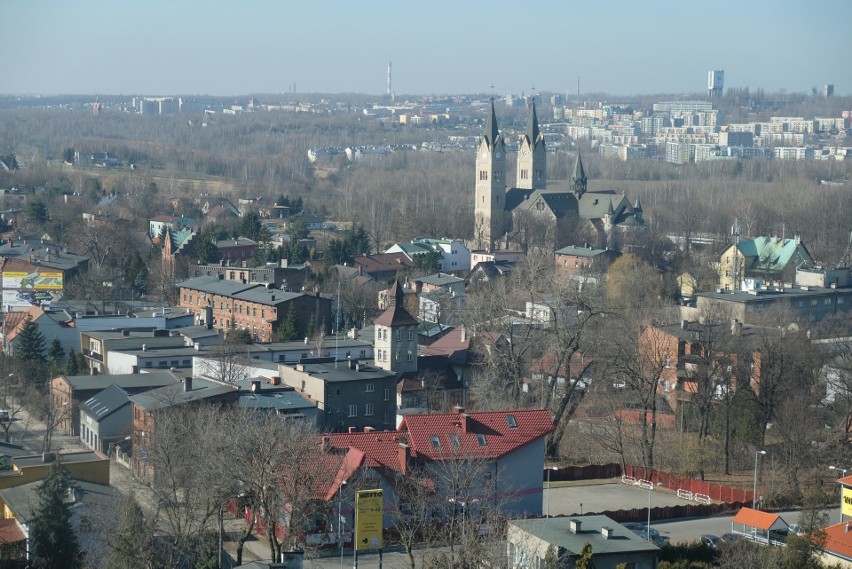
[609, 210]
[532, 125]
[638, 205]
[491, 132]
[396, 314]
[578, 180]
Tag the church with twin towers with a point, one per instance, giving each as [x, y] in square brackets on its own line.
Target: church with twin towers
[537, 214]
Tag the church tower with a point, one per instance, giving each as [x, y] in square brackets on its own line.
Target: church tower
[489, 211]
[578, 179]
[532, 160]
[395, 335]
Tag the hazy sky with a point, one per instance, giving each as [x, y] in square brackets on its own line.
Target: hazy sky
[170, 47]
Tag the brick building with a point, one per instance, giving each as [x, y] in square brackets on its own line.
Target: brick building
[233, 305]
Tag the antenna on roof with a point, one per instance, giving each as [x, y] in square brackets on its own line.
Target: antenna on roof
[337, 326]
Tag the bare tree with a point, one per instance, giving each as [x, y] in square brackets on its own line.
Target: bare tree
[228, 362]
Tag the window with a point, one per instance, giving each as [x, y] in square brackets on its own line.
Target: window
[387, 394]
[436, 441]
[398, 335]
[410, 356]
[827, 301]
[497, 175]
[397, 356]
[338, 393]
[483, 175]
[454, 440]
[368, 410]
[481, 439]
[378, 355]
[353, 410]
[411, 331]
[370, 387]
[512, 422]
[814, 302]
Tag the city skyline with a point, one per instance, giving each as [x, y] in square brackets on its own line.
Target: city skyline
[663, 46]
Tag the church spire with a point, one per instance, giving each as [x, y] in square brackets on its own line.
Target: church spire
[532, 125]
[578, 180]
[491, 132]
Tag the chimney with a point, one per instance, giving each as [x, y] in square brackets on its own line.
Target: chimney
[369, 429]
[575, 525]
[255, 385]
[353, 364]
[187, 384]
[325, 443]
[607, 532]
[684, 324]
[353, 429]
[736, 327]
[463, 334]
[404, 455]
[196, 346]
[275, 380]
[847, 526]
[144, 347]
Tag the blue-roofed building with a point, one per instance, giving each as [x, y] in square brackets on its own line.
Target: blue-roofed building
[105, 418]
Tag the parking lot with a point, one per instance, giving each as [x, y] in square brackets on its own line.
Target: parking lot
[601, 496]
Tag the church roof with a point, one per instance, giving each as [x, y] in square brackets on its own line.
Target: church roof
[596, 205]
[491, 133]
[532, 126]
[559, 202]
[579, 176]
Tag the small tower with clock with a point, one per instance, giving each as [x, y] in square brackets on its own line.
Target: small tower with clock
[532, 160]
[489, 212]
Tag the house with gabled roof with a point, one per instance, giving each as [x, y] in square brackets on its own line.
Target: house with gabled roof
[105, 418]
[769, 258]
[506, 447]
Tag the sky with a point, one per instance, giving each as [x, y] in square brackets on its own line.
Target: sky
[620, 47]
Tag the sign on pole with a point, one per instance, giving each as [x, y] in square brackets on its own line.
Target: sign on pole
[368, 519]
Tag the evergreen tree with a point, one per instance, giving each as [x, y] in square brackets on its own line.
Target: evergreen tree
[30, 345]
[72, 368]
[56, 353]
[132, 541]
[585, 561]
[53, 541]
[289, 329]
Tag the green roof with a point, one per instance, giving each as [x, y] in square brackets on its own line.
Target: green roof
[557, 532]
[773, 253]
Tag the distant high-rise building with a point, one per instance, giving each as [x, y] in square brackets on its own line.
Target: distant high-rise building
[828, 90]
[715, 82]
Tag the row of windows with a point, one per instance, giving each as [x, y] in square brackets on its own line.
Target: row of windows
[383, 355]
[454, 440]
[369, 410]
[483, 175]
[384, 334]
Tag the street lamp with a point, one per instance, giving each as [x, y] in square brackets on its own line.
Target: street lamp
[463, 505]
[548, 490]
[340, 519]
[650, 486]
[843, 471]
[754, 487]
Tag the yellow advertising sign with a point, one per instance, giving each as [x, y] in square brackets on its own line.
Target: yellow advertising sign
[846, 496]
[35, 280]
[369, 506]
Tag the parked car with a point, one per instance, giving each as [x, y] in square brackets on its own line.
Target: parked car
[729, 537]
[709, 540]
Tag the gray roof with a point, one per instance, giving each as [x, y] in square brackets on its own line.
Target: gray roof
[197, 332]
[328, 372]
[580, 251]
[239, 242]
[177, 395]
[439, 279]
[164, 351]
[23, 500]
[556, 531]
[214, 285]
[128, 380]
[558, 201]
[66, 458]
[269, 296]
[45, 253]
[284, 400]
[103, 404]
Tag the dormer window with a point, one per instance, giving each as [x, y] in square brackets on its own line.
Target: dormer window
[436, 441]
[481, 439]
[510, 420]
[454, 439]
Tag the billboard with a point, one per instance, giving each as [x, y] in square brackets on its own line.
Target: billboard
[369, 506]
[846, 505]
[34, 280]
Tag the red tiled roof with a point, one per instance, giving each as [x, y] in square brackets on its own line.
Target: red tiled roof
[15, 320]
[846, 481]
[380, 448]
[381, 262]
[451, 345]
[757, 519]
[839, 540]
[472, 429]
[406, 385]
[10, 532]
